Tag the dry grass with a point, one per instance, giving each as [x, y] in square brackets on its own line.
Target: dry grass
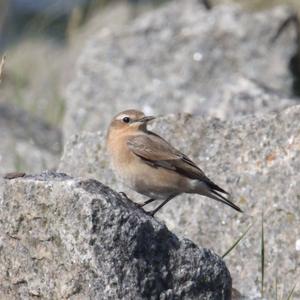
[2, 66]
[261, 4]
[34, 78]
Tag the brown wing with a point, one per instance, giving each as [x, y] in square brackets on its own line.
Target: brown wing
[157, 152]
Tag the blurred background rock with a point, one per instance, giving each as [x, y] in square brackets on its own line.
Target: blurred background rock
[43, 38]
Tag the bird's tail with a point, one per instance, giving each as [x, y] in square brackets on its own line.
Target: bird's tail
[215, 192]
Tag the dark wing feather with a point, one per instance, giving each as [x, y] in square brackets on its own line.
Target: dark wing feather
[157, 152]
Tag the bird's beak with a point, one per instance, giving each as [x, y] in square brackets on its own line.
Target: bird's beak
[145, 119]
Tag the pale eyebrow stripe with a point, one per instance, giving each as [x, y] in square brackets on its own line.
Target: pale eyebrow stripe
[121, 117]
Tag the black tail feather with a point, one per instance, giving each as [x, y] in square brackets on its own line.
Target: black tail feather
[224, 200]
[215, 187]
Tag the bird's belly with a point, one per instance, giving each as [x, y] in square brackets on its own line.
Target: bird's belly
[157, 183]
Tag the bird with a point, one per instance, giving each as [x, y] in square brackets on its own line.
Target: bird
[151, 166]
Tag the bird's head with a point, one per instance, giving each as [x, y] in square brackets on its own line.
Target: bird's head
[130, 120]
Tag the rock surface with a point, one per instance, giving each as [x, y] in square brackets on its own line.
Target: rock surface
[27, 143]
[257, 158]
[65, 238]
[182, 57]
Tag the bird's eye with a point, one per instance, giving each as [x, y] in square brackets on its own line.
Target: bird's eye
[126, 120]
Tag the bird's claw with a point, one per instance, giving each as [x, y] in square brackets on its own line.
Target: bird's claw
[123, 195]
[150, 213]
[138, 205]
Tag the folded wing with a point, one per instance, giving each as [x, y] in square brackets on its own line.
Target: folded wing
[158, 153]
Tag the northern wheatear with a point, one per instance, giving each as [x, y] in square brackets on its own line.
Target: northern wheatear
[151, 166]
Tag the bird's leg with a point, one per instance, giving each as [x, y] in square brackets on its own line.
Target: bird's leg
[153, 212]
[146, 202]
[123, 195]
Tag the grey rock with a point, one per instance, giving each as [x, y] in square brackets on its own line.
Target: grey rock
[184, 58]
[256, 158]
[66, 238]
[27, 143]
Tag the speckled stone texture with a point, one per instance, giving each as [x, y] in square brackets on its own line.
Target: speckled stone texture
[27, 143]
[66, 238]
[257, 158]
[183, 58]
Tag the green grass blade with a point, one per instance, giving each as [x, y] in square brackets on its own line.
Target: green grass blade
[262, 253]
[236, 242]
[276, 288]
[290, 296]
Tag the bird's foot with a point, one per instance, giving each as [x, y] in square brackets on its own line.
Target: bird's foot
[138, 205]
[141, 205]
[150, 213]
[123, 195]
